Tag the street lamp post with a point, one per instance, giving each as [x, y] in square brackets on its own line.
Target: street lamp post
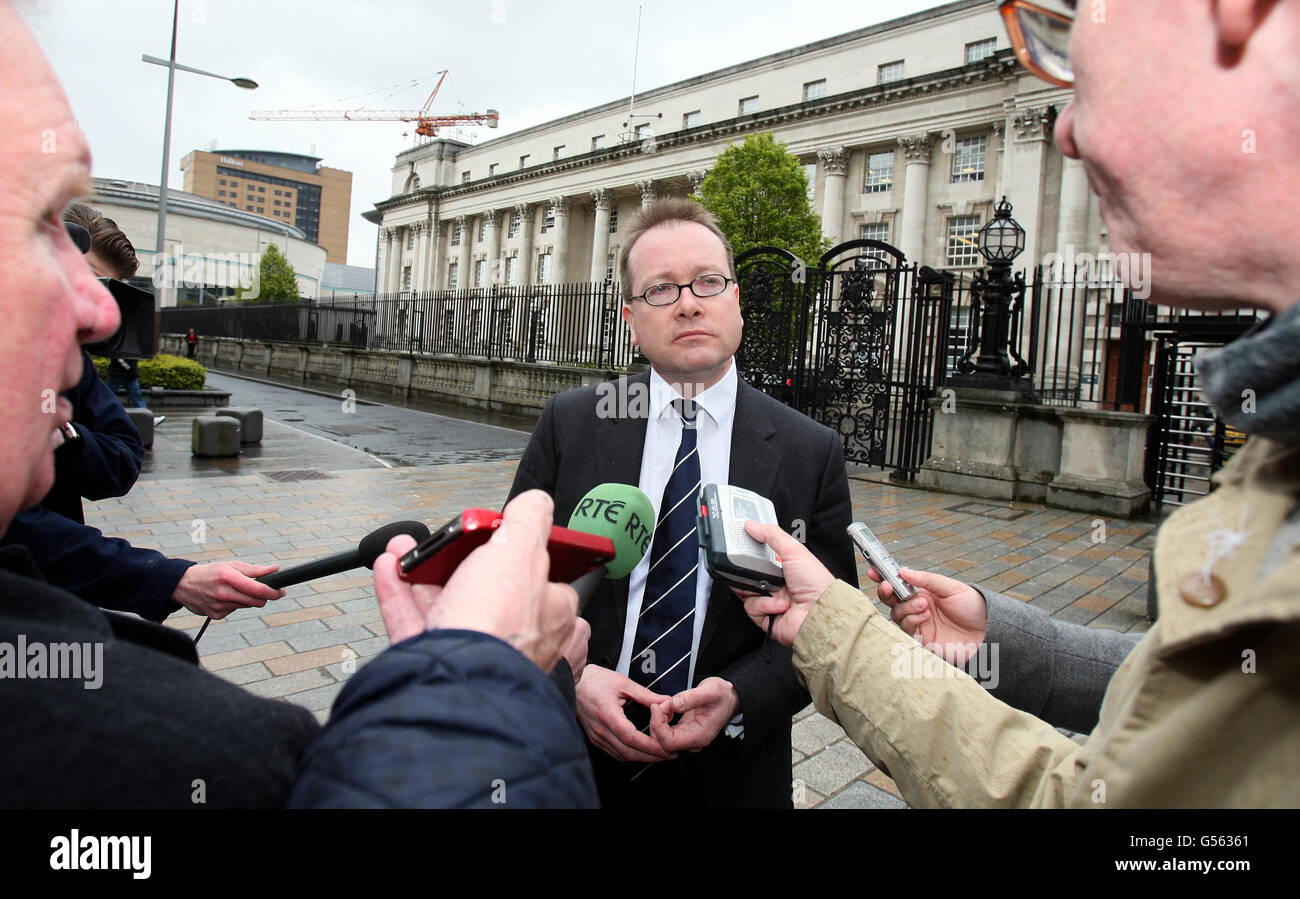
[172, 66]
[995, 297]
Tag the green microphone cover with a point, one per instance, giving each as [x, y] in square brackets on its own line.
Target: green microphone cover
[622, 513]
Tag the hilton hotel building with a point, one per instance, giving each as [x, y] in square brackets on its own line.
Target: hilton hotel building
[909, 132]
[286, 187]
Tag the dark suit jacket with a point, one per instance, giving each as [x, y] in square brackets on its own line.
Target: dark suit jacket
[776, 452]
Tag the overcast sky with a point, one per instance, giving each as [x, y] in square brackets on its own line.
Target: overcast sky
[534, 60]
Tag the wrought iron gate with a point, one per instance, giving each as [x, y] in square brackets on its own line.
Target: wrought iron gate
[857, 342]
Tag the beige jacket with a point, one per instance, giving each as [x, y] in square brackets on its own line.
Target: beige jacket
[1205, 712]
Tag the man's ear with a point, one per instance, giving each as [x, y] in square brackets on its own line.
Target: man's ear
[1237, 20]
[631, 328]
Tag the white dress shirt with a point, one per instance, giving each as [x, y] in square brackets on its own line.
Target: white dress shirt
[715, 413]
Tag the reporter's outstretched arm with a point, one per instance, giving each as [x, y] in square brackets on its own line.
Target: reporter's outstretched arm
[943, 739]
[459, 712]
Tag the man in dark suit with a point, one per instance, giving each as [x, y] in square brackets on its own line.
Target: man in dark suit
[683, 701]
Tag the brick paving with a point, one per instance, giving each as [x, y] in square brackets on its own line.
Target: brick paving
[303, 647]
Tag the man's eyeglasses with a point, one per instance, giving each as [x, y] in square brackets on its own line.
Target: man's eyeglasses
[666, 294]
[1041, 39]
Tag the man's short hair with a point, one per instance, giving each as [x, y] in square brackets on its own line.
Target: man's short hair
[106, 239]
[669, 209]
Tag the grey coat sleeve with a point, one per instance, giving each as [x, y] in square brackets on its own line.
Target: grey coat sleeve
[1052, 669]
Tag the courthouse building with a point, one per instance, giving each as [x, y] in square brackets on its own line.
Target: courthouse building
[909, 132]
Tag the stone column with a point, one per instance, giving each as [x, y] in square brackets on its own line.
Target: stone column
[1033, 138]
[432, 248]
[384, 259]
[526, 243]
[417, 261]
[395, 270]
[647, 189]
[600, 236]
[916, 193]
[835, 162]
[1066, 318]
[493, 222]
[438, 264]
[560, 260]
[462, 255]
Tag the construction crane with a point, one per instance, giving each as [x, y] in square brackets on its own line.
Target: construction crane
[426, 124]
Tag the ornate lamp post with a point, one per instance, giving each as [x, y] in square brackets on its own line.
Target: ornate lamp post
[996, 296]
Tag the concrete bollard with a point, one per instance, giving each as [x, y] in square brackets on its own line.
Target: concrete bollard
[143, 421]
[214, 437]
[250, 423]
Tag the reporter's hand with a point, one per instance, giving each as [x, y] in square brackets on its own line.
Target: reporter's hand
[575, 651]
[500, 588]
[805, 580]
[705, 710]
[218, 588]
[949, 617]
[602, 693]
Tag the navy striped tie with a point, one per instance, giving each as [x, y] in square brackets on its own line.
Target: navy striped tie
[661, 650]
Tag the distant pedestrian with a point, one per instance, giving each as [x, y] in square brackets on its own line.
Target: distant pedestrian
[191, 343]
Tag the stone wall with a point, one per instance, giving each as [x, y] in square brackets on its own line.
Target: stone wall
[511, 387]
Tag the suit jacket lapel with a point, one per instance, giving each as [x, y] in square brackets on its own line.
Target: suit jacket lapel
[619, 444]
[755, 462]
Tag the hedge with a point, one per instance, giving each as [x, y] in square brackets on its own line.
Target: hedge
[168, 372]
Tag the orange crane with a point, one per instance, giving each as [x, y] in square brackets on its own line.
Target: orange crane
[426, 124]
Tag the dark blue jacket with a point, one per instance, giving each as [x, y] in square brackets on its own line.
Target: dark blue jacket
[448, 719]
[106, 571]
[106, 460]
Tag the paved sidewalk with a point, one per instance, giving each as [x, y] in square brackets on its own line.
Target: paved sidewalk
[303, 499]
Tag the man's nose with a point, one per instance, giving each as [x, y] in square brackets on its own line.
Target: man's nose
[1064, 132]
[97, 314]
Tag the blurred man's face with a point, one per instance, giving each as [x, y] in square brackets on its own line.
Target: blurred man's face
[1163, 126]
[49, 298]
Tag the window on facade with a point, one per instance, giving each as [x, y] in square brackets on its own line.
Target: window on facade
[643, 131]
[691, 119]
[221, 180]
[890, 71]
[523, 160]
[464, 177]
[548, 221]
[261, 190]
[544, 268]
[248, 208]
[878, 231]
[609, 267]
[512, 270]
[968, 159]
[598, 142]
[410, 238]
[748, 105]
[279, 193]
[515, 218]
[558, 152]
[480, 272]
[613, 218]
[453, 275]
[880, 172]
[492, 169]
[277, 202]
[221, 193]
[455, 234]
[261, 209]
[448, 325]
[406, 277]
[810, 174]
[977, 50]
[482, 228]
[814, 90]
[963, 240]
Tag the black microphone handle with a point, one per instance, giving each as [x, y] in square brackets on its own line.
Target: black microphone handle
[586, 586]
[309, 571]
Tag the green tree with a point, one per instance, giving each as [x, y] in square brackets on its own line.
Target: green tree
[276, 281]
[759, 193]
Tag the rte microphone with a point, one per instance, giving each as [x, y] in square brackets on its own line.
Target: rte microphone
[626, 516]
[370, 548]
